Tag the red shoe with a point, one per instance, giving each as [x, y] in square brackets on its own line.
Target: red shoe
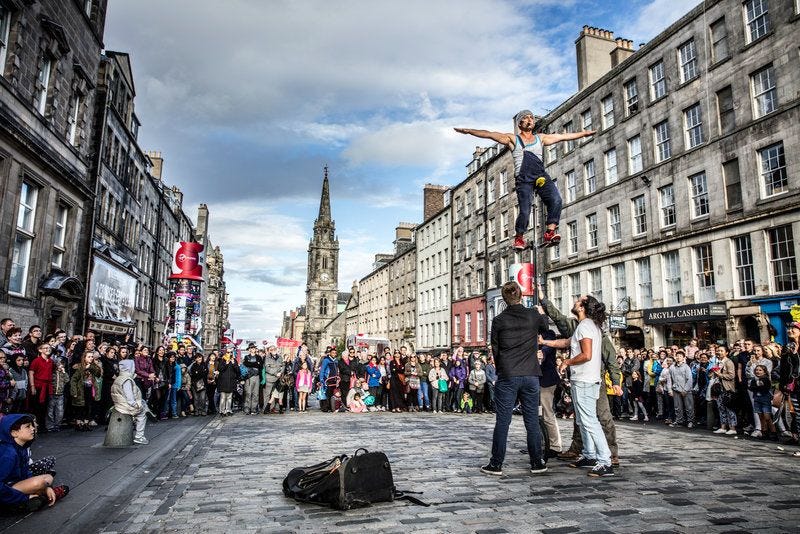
[61, 492]
[551, 237]
[519, 242]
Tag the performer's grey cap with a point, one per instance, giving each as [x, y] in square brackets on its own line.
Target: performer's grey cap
[523, 113]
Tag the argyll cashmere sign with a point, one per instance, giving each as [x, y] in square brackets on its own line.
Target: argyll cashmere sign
[683, 314]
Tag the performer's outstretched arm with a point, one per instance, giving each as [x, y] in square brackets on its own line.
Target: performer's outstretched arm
[504, 138]
[551, 139]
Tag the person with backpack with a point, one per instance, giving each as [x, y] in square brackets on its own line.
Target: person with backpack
[329, 379]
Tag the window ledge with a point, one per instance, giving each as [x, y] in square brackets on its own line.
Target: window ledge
[689, 81]
[720, 62]
[657, 100]
[615, 244]
[630, 116]
[668, 228]
[640, 236]
[779, 196]
[700, 219]
[760, 39]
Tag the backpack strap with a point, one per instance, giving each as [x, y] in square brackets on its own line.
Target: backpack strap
[404, 496]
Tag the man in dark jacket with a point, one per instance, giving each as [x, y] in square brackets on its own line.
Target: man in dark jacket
[20, 491]
[514, 345]
[253, 362]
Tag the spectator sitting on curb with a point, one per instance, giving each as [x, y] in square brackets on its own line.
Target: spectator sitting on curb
[20, 490]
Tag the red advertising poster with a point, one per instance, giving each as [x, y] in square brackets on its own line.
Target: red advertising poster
[286, 343]
[187, 262]
[522, 274]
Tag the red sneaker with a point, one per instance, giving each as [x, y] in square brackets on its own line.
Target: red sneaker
[551, 237]
[60, 491]
[519, 242]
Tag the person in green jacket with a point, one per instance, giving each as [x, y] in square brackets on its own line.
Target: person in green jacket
[566, 327]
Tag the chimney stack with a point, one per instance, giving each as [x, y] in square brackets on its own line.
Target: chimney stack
[598, 52]
[433, 200]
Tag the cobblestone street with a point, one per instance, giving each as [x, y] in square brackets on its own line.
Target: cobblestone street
[228, 479]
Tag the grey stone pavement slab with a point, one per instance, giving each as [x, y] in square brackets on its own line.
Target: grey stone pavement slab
[228, 478]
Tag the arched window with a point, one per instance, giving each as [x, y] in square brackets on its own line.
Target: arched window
[323, 306]
[324, 262]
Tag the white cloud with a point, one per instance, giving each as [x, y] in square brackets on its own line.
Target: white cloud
[656, 16]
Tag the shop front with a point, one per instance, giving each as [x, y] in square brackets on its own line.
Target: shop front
[677, 325]
[779, 311]
[111, 299]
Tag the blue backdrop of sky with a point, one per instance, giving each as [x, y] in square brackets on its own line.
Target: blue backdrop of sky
[249, 99]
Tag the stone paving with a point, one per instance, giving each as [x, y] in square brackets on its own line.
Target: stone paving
[228, 479]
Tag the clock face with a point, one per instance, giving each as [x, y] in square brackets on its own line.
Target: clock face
[324, 277]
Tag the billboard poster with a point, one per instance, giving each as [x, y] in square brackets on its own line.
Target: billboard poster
[112, 293]
[187, 261]
[185, 306]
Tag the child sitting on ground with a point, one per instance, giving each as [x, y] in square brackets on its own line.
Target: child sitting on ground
[21, 491]
[357, 405]
[466, 403]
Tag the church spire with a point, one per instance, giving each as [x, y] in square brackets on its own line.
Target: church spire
[325, 201]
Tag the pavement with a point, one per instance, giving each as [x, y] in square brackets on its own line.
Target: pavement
[225, 474]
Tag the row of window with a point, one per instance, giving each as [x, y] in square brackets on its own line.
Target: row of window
[773, 180]
[434, 231]
[401, 321]
[780, 256]
[26, 234]
[44, 83]
[434, 335]
[472, 325]
[434, 299]
[765, 101]
[434, 265]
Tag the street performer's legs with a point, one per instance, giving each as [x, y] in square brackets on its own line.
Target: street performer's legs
[506, 392]
[551, 198]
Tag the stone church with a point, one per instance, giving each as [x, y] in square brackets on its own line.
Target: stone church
[325, 317]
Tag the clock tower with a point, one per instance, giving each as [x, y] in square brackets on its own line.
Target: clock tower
[323, 274]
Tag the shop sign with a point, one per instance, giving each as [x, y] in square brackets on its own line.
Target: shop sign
[109, 328]
[617, 322]
[786, 305]
[684, 314]
[112, 293]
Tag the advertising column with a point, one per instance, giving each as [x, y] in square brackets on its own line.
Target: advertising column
[185, 303]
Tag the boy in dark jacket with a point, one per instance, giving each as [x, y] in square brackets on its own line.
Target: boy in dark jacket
[20, 491]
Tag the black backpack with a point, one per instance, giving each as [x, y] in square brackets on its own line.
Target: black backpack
[344, 482]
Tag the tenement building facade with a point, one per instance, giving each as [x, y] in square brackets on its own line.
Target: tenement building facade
[468, 260]
[49, 53]
[433, 272]
[402, 311]
[683, 213]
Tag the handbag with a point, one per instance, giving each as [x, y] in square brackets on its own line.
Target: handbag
[322, 394]
[200, 385]
[777, 399]
[413, 382]
[442, 385]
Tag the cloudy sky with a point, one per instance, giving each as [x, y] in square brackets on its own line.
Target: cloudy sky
[249, 99]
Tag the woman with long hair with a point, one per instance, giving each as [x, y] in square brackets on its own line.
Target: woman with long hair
[397, 383]
[85, 390]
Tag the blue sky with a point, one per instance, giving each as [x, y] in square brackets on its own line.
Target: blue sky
[248, 99]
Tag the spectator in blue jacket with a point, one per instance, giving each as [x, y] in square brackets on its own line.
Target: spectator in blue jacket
[328, 373]
[20, 490]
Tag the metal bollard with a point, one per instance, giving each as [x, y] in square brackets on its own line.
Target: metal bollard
[120, 430]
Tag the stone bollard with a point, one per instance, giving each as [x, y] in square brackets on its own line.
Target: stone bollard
[120, 430]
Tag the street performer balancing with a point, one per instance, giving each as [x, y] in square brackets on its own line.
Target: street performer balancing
[527, 149]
